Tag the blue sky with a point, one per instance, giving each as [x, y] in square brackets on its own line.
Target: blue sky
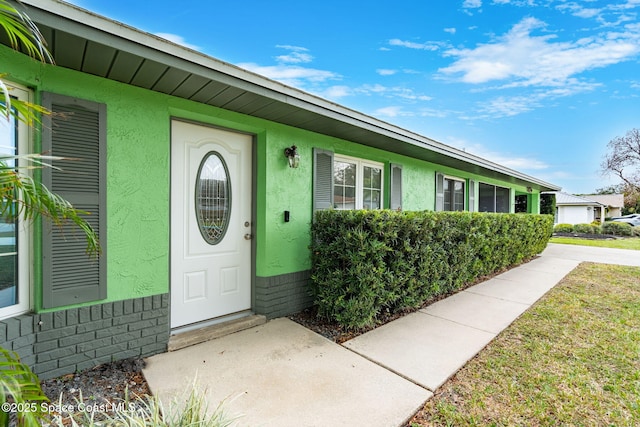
[540, 86]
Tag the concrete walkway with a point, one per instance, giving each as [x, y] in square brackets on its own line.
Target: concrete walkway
[281, 374]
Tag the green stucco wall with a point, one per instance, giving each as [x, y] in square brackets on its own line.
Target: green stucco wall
[138, 177]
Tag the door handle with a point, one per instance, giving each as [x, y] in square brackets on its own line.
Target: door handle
[248, 236]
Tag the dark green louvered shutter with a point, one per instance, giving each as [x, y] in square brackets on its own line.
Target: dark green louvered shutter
[322, 179]
[395, 201]
[439, 191]
[76, 131]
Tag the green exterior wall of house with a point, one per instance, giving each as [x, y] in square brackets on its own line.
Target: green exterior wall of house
[138, 178]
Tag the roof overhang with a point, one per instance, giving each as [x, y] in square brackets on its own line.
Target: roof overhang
[84, 41]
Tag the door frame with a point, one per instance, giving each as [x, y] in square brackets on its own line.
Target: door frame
[253, 228]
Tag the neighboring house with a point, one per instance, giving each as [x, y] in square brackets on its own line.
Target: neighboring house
[181, 164]
[572, 209]
[614, 203]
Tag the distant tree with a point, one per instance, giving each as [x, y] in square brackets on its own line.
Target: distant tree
[631, 202]
[623, 160]
[612, 189]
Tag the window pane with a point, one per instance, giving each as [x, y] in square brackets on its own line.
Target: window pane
[344, 179]
[371, 188]
[8, 229]
[376, 178]
[486, 198]
[447, 194]
[345, 173]
[458, 196]
[502, 200]
[8, 280]
[7, 237]
[344, 197]
[371, 199]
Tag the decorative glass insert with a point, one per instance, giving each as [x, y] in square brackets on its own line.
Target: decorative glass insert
[213, 198]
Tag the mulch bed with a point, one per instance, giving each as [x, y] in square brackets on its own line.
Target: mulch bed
[107, 384]
[588, 236]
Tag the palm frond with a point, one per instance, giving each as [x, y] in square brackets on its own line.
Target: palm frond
[23, 32]
[19, 384]
[24, 111]
[21, 197]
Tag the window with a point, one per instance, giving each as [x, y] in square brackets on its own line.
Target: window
[357, 184]
[494, 198]
[341, 182]
[453, 195]
[450, 193]
[14, 250]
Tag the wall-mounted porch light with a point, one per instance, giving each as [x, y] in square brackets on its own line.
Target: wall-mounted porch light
[291, 153]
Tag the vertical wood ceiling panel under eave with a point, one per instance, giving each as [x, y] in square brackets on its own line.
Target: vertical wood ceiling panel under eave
[98, 59]
[148, 74]
[68, 50]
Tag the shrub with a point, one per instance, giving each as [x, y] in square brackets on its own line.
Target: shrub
[563, 228]
[636, 231]
[365, 263]
[188, 410]
[585, 228]
[617, 228]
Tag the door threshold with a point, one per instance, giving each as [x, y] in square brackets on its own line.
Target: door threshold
[210, 332]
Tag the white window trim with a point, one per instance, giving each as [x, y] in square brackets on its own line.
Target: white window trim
[360, 164]
[465, 189]
[25, 248]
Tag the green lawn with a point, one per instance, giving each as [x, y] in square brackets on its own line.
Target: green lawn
[572, 359]
[628, 243]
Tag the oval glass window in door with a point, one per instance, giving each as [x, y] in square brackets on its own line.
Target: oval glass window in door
[213, 198]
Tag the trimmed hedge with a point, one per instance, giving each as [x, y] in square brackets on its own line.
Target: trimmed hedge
[563, 228]
[586, 229]
[617, 228]
[368, 262]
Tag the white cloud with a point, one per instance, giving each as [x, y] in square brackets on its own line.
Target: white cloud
[296, 55]
[517, 162]
[399, 111]
[287, 70]
[393, 111]
[392, 92]
[520, 3]
[335, 92]
[174, 38]
[432, 46]
[608, 15]
[450, 30]
[523, 59]
[508, 106]
[291, 75]
[386, 72]
[472, 4]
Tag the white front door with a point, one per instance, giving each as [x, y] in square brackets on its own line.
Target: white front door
[210, 223]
